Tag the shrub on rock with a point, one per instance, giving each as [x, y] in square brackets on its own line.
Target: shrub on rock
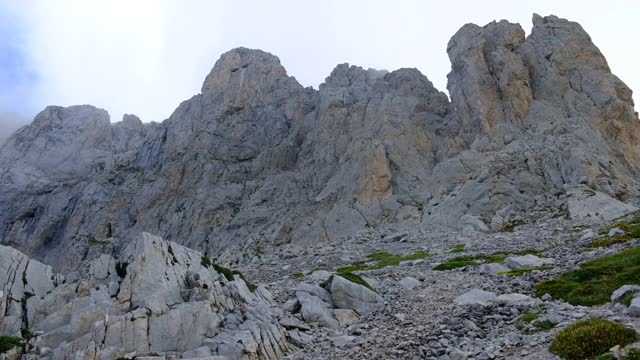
[589, 338]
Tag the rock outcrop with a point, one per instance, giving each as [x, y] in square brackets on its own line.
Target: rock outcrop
[154, 297]
[255, 159]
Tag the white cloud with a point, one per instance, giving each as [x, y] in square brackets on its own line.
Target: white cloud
[147, 56]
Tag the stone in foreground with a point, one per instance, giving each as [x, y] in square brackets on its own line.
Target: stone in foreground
[155, 297]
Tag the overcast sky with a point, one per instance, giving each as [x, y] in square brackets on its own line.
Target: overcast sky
[145, 57]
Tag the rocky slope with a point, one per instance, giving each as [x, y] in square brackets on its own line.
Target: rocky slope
[153, 297]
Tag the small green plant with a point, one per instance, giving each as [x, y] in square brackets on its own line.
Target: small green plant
[356, 279]
[205, 261]
[544, 325]
[476, 260]
[297, 275]
[627, 297]
[589, 338]
[9, 342]
[457, 248]
[530, 316]
[630, 224]
[226, 272]
[596, 280]
[520, 272]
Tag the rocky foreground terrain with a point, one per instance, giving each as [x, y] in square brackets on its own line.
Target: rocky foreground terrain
[376, 217]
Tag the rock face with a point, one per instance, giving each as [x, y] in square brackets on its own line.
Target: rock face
[156, 297]
[255, 159]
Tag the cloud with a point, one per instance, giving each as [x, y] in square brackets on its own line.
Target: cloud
[146, 56]
[10, 122]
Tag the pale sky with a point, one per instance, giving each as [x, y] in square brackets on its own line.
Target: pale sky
[145, 57]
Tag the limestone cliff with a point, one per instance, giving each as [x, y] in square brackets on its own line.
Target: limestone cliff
[257, 159]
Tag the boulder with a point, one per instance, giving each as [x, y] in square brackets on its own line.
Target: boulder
[622, 291]
[616, 232]
[409, 283]
[476, 297]
[314, 310]
[492, 268]
[634, 307]
[349, 295]
[168, 301]
[526, 262]
[584, 204]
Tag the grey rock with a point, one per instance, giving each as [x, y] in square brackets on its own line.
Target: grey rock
[349, 295]
[532, 123]
[616, 232]
[319, 275]
[622, 291]
[588, 204]
[476, 297]
[634, 307]
[157, 309]
[409, 283]
[492, 268]
[314, 310]
[526, 262]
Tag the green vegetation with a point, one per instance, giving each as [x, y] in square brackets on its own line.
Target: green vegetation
[9, 342]
[520, 272]
[458, 248]
[462, 261]
[587, 339]
[596, 280]
[530, 316]
[533, 319]
[356, 279]
[627, 297]
[325, 284]
[630, 224]
[380, 260]
[297, 275]
[96, 242]
[226, 272]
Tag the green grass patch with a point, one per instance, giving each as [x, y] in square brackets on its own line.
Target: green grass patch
[9, 342]
[520, 272]
[229, 274]
[457, 249]
[627, 297]
[476, 260]
[530, 316]
[596, 280]
[379, 260]
[587, 339]
[356, 279]
[630, 224]
[298, 275]
[533, 319]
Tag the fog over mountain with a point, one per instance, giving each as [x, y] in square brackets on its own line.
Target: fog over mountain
[10, 122]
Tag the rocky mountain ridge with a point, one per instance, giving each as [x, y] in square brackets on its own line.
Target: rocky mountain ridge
[256, 160]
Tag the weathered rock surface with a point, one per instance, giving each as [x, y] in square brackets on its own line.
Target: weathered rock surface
[349, 295]
[256, 160]
[476, 297]
[156, 297]
[526, 262]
